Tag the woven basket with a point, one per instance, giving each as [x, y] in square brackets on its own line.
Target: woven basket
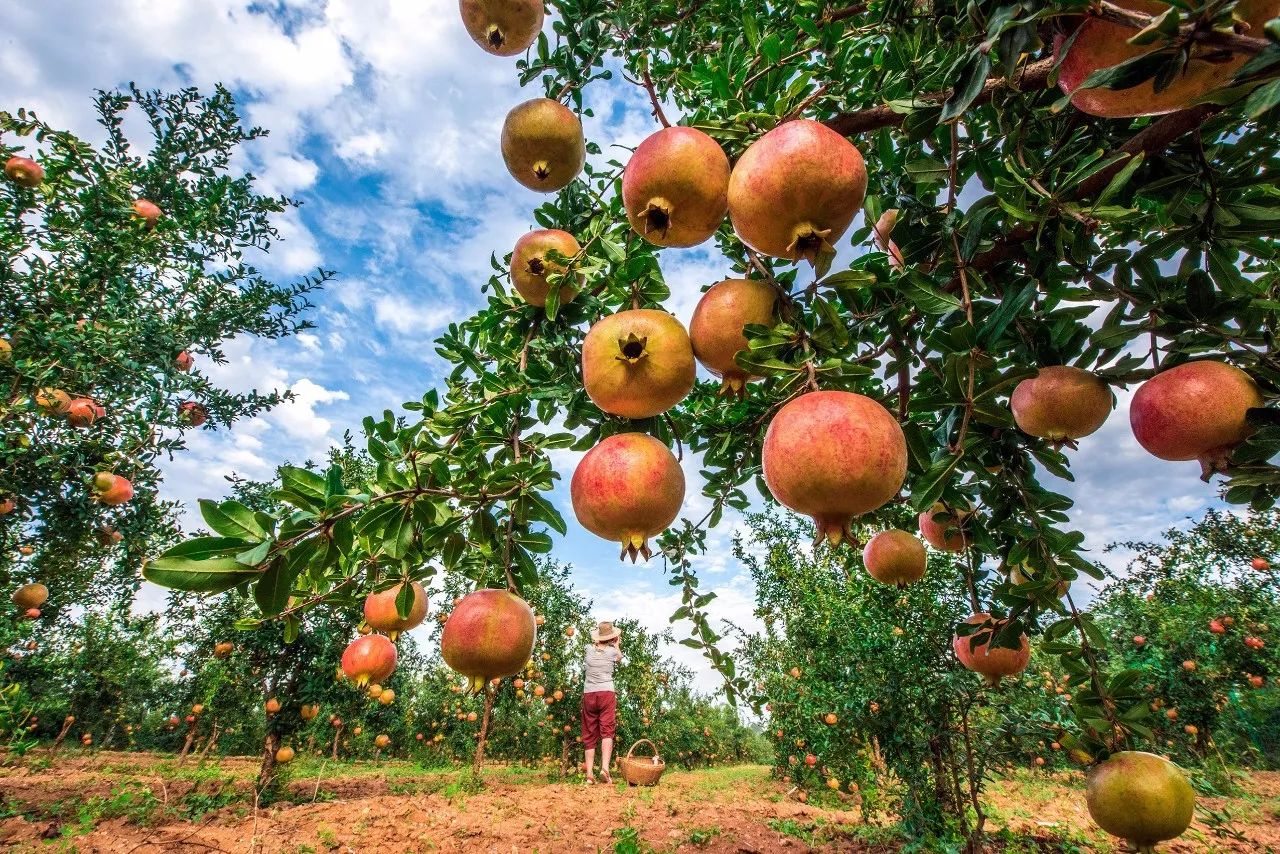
[642, 770]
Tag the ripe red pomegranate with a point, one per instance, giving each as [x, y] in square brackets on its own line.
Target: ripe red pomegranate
[530, 264]
[32, 613]
[1256, 681]
[991, 662]
[24, 171]
[1217, 628]
[1189, 665]
[502, 27]
[148, 212]
[626, 489]
[382, 741]
[943, 528]
[810, 760]
[380, 610]
[223, 649]
[794, 192]
[1261, 564]
[7, 506]
[542, 145]
[1061, 404]
[184, 361]
[894, 557]
[637, 363]
[1102, 44]
[1254, 642]
[1141, 798]
[716, 330]
[369, 658]
[192, 414]
[112, 489]
[675, 187]
[859, 464]
[82, 412]
[490, 634]
[1023, 574]
[1195, 411]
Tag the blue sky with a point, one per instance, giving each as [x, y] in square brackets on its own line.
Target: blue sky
[384, 121]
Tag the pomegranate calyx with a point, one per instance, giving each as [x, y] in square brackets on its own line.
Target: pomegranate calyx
[733, 386]
[657, 216]
[809, 243]
[495, 37]
[633, 545]
[541, 170]
[1215, 461]
[632, 348]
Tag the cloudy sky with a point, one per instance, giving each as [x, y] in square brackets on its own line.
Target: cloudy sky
[384, 121]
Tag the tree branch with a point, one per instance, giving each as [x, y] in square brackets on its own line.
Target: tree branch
[1233, 42]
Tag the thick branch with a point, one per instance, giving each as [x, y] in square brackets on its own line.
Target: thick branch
[1215, 38]
[1032, 77]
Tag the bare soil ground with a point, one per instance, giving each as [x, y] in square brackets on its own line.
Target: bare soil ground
[129, 803]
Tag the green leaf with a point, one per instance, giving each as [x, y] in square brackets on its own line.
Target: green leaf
[275, 586]
[231, 519]
[214, 575]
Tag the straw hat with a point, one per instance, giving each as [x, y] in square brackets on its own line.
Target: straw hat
[606, 632]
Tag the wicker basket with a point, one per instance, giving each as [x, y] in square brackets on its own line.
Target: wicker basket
[642, 770]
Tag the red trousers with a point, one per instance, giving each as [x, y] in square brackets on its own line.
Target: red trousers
[599, 710]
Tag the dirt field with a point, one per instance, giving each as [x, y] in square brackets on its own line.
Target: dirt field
[138, 804]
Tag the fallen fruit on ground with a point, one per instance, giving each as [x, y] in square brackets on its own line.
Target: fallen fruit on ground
[675, 187]
[502, 27]
[489, 634]
[860, 464]
[369, 658]
[531, 264]
[894, 557]
[1061, 404]
[794, 192]
[1195, 411]
[627, 489]
[978, 652]
[716, 329]
[381, 614]
[542, 145]
[1141, 798]
[637, 363]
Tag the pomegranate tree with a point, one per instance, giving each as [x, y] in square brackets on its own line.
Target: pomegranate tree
[490, 634]
[381, 614]
[1142, 798]
[795, 191]
[626, 489]
[675, 187]
[894, 557]
[859, 465]
[637, 363]
[978, 653]
[531, 264]
[1061, 404]
[716, 330]
[369, 658]
[502, 27]
[542, 145]
[1195, 411]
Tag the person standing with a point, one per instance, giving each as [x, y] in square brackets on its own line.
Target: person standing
[599, 702]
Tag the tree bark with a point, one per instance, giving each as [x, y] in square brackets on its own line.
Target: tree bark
[484, 730]
[268, 769]
[62, 734]
[186, 746]
[337, 737]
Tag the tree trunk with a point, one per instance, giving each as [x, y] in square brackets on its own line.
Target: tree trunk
[210, 742]
[268, 769]
[186, 747]
[337, 737]
[484, 730]
[57, 742]
[566, 756]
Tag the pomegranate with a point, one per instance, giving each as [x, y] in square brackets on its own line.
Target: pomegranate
[542, 145]
[830, 719]
[991, 662]
[7, 506]
[24, 172]
[222, 649]
[1254, 642]
[716, 330]
[1061, 404]
[1195, 411]
[1140, 797]
[1261, 564]
[489, 634]
[380, 610]
[637, 363]
[810, 760]
[675, 187]
[626, 489]
[284, 755]
[108, 536]
[273, 706]
[112, 489]
[82, 412]
[943, 528]
[184, 361]
[1102, 44]
[1023, 574]
[369, 658]
[192, 414]
[894, 557]
[1189, 666]
[148, 212]
[859, 465]
[387, 697]
[32, 613]
[31, 595]
[1217, 628]
[310, 711]
[530, 264]
[794, 192]
[197, 709]
[52, 401]
[382, 741]
[1256, 681]
[502, 27]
